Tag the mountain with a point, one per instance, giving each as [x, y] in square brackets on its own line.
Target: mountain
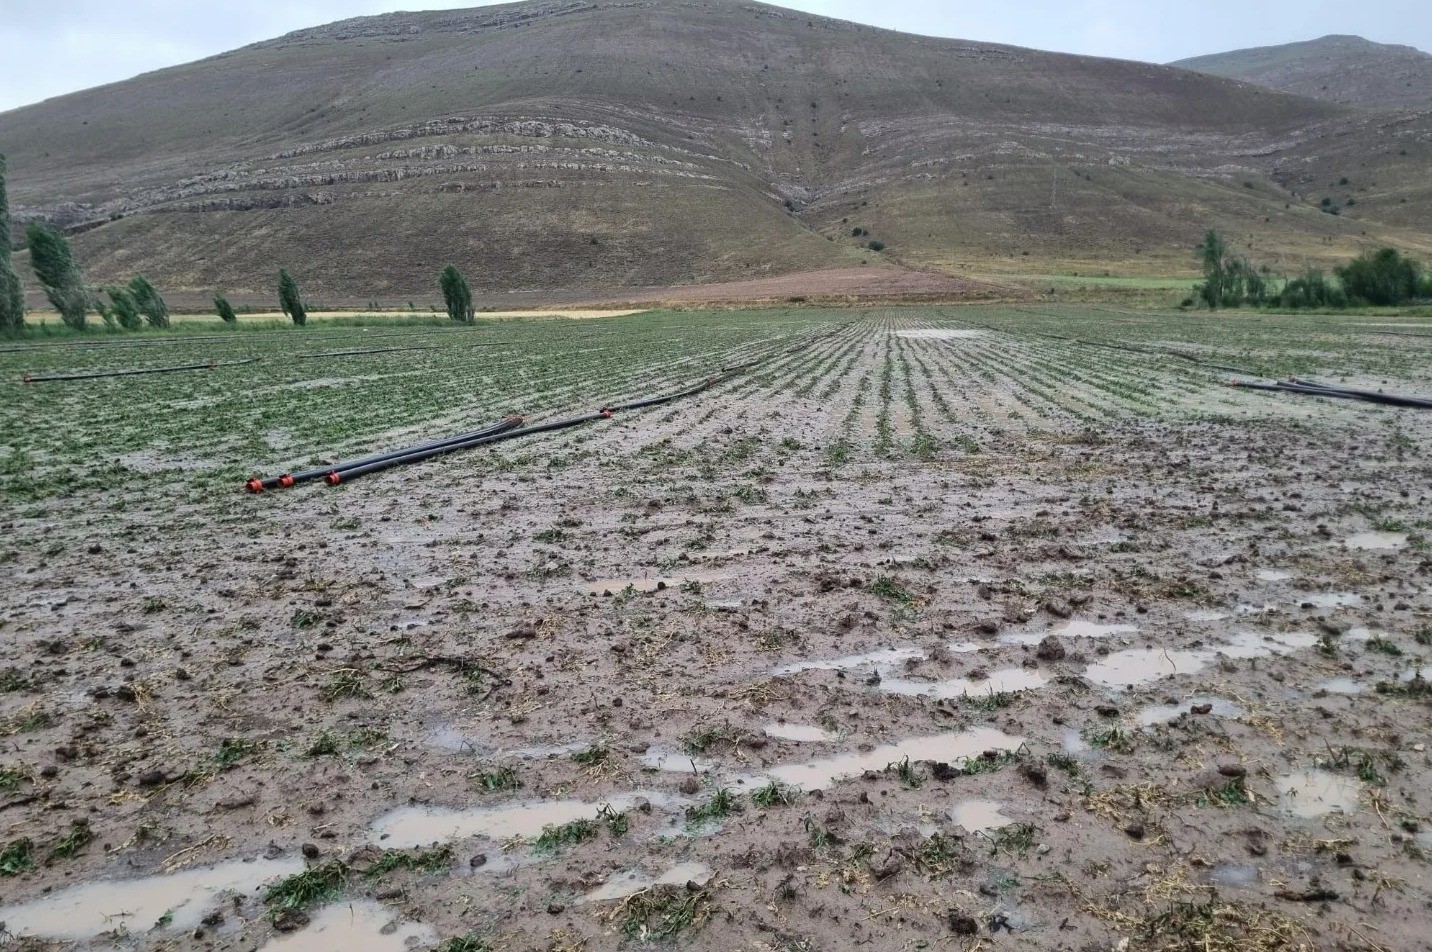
[610, 144]
[1345, 69]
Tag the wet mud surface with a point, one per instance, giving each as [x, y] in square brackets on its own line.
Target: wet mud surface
[904, 640]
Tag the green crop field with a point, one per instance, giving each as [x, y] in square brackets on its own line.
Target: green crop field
[919, 600]
[195, 433]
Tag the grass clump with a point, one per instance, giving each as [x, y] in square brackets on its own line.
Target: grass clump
[79, 836]
[596, 756]
[13, 679]
[703, 739]
[497, 779]
[1016, 839]
[661, 913]
[723, 803]
[1381, 644]
[554, 838]
[820, 837]
[891, 590]
[909, 775]
[346, 684]
[937, 855]
[991, 761]
[464, 943]
[423, 861]
[318, 884]
[12, 777]
[617, 821]
[1115, 739]
[232, 750]
[1234, 793]
[17, 857]
[993, 701]
[775, 794]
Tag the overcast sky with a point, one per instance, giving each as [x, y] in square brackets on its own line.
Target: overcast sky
[50, 47]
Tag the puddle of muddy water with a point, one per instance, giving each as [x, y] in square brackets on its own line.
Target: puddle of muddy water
[1330, 599]
[820, 774]
[1073, 742]
[355, 927]
[1071, 629]
[411, 827]
[1232, 875]
[800, 733]
[450, 738]
[1308, 794]
[1009, 679]
[1343, 685]
[632, 881]
[1167, 713]
[85, 911]
[1274, 575]
[1143, 665]
[978, 815]
[674, 761]
[880, 657]
[1376, 541]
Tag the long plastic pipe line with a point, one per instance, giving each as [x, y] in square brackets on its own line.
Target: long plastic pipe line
[135, 373]
[344, 472]
[1308, 389]
[287, 480]
[343, 475]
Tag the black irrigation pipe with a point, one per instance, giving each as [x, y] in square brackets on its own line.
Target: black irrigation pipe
[339, 476]
[508, 430]
[212, 365]
[1309, 389]
[257, 485]
[354, 353]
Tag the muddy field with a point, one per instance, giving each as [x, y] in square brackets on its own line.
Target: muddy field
[938, 628]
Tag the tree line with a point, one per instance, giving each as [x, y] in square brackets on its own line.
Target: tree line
[130, 306]
[1382, 278]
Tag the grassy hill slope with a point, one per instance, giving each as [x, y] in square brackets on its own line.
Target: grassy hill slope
[593, 145]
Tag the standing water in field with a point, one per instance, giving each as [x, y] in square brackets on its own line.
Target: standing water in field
[138, 905]
[355, 927]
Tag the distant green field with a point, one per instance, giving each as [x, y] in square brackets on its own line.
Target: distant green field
[1092, 281]
[956, 375]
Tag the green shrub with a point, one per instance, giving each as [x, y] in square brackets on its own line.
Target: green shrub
[150, 304]
[876, 246]
[12, 293]
[290, 300]
[225, 309]
[1382, 278]
[62, 279]
[123, 308]
[1311, 290]
[456, 295]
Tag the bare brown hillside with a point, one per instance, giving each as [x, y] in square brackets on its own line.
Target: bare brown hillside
[604, 145]
[1346, 69]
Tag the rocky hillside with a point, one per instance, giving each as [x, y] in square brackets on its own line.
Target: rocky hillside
[1345, 69]
[596, 144]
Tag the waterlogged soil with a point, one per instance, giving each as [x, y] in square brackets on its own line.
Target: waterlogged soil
[744, 674]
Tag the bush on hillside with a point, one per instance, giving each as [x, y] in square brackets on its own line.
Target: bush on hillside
[1382, 278]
